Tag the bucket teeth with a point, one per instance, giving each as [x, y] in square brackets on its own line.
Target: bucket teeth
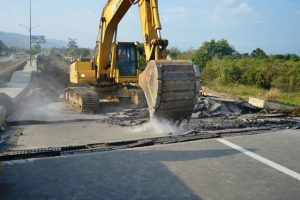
[170, 88]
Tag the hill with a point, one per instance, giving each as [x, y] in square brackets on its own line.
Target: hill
[22, 41]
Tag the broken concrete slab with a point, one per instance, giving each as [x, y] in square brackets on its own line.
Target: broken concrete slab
[277, 106]
[249, 107]
[268, 104]
[257, 102]
[215, 107]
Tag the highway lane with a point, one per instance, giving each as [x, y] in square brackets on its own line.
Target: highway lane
[207, 169]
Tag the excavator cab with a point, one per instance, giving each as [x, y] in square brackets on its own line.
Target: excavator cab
[127, 59]
[124, 66]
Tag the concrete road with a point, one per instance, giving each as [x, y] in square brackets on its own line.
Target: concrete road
[92, 128]
[19, 81]
[80, 133]
[210, 169]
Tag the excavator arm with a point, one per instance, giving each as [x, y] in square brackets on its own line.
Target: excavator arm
[113, 12]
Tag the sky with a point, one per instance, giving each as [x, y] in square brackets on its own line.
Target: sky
[272, 25]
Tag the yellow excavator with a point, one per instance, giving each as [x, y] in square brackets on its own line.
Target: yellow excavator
[169, 87]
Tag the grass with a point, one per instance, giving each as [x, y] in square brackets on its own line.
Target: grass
[244, 92]
[290, 98]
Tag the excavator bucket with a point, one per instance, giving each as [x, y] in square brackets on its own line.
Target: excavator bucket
[171, 88]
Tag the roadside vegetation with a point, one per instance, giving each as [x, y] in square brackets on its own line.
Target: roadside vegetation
[72, 52]
[271, 77]
[223, 69]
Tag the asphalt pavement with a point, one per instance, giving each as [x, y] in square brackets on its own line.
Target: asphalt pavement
[241, 167]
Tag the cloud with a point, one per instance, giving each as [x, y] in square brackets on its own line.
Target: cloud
[229, 11]
[174, 14]
[227, 2]
[242, 9]
[175, 10]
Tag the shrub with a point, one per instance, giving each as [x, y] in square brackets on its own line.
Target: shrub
[273, 94]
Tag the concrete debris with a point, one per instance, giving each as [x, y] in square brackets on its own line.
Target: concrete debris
[269, 105]
[216, 107]
[243, 121]
[128, 117]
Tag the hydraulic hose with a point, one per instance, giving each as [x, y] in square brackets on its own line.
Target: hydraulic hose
[133, 2]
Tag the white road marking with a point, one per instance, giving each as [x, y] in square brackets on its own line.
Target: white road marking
[262, 159]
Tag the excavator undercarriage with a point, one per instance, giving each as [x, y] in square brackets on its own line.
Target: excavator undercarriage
[88, 99]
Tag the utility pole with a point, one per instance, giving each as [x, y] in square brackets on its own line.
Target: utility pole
[30, 52]
[30, 35]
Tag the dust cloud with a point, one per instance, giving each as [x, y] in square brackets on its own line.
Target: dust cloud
[41, 101]
[159, 127]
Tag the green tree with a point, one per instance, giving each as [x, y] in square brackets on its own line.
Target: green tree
[83, 53]
[258, 53]
[187, 55]
[173, 52]
[141, 56]
[72, 47]
[201, 58]
[212, 49]
[3, 47]
[295, 58]
[217, 48]
[36, 49]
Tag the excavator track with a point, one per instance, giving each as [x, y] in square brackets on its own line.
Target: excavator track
[171, 89]
[138, 97]
[81, 99]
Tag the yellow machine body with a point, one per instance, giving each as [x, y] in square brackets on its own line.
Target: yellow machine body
[170, 87]
[82, 72]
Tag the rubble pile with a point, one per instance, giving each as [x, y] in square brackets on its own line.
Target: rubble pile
[244, 121]
[207, 107]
